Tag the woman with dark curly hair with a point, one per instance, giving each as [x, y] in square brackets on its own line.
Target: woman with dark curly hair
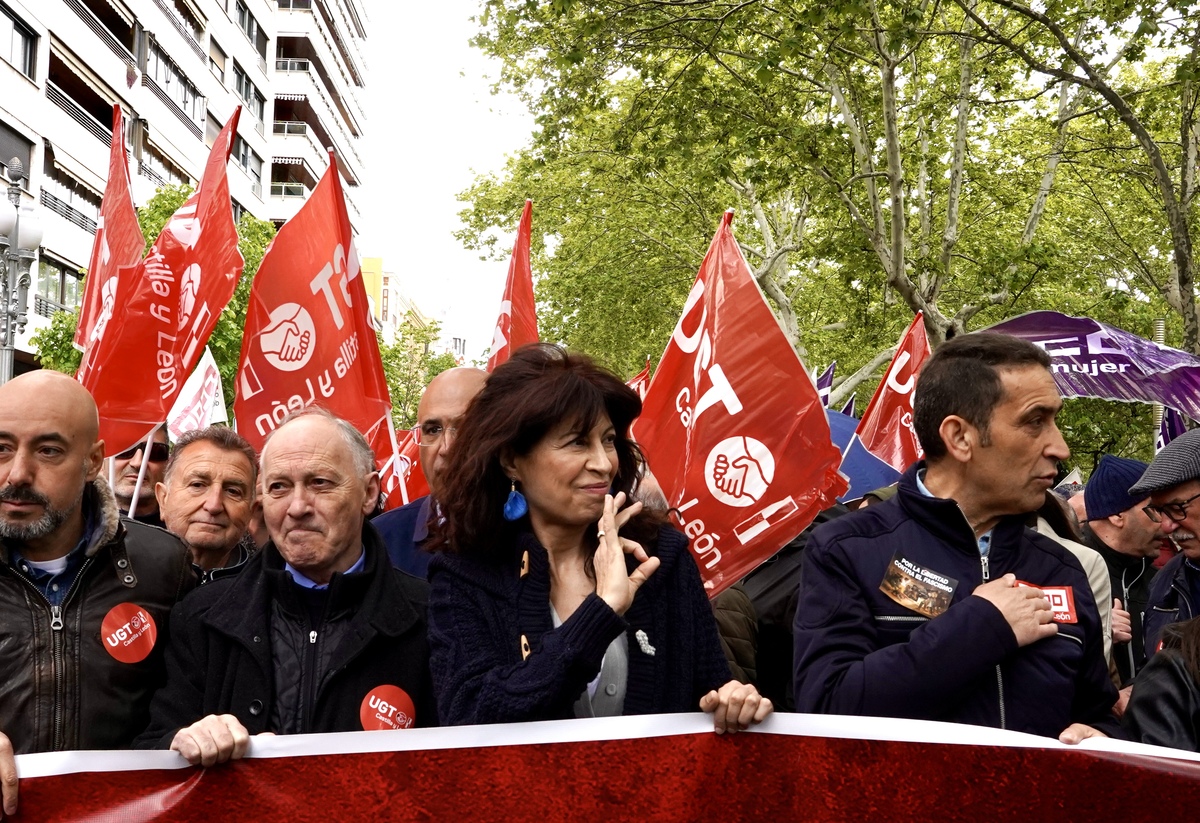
[551, 598]
[1164, 709]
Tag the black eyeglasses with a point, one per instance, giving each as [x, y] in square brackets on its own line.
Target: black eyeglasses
[158, 452]
[1174, 511]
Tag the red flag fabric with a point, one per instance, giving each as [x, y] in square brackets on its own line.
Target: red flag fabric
[119, 243]
[745, 465]
[309, 338]
[400, 477]
[517, 324]
[168, 304]
[886, 428]
[641, 381]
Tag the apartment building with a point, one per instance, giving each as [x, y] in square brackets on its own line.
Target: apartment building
[178, 68]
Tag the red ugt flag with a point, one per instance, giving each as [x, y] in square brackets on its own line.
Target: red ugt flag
[169, 305]
[119, 243]
[732, 426]
[400, 477]
[517, 324]
[308, 337]
[641, 381]
[886, 428]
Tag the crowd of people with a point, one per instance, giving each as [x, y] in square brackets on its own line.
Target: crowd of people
[541, 578]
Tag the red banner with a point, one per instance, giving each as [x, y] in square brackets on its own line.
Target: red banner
[517, 324]
[580, 770]
[169, 305]
[118, 244]
[641, 381]
[744, 465]
[309, 338]
[886, 428]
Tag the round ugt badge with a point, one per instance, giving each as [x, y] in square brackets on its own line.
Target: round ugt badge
[128, 633]
[386, 708]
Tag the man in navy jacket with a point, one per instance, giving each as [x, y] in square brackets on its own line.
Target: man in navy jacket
[404, 530]
[940, 604]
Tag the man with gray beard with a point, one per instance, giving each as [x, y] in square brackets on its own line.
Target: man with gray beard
[85, 595]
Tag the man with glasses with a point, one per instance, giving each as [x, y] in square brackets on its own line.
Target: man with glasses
[1173, 485]
[438, 414]
[126, 467]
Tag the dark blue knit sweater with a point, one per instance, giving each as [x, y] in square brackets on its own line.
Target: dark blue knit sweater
[481, 613]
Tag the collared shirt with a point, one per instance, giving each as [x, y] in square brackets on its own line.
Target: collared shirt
[55, 585]
[985, 539]
[301, 580]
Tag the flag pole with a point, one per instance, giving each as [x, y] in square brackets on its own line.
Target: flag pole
[137, 487]
[396, 459]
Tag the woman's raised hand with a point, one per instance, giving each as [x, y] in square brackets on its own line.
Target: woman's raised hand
[614, 585]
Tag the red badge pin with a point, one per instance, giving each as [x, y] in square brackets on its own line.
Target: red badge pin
[386, 708]
[128, 633]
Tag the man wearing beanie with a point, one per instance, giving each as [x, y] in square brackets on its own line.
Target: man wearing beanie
[1128, 540]
[1173, 484]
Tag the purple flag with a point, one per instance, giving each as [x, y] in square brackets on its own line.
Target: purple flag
[848, 409]
[825, 384]
[1093, 359]
[1171, 427]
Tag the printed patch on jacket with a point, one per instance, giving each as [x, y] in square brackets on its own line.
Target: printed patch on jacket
[1062, 601]
[915, 587]
[386, 708]
[128, 633]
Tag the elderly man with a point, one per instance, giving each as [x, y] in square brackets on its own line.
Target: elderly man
[404, 530]
[1128, 540]
[125, 469]
[207, 498]
[1172, 482]
[939, 604]
[317, 633]
[84, 595]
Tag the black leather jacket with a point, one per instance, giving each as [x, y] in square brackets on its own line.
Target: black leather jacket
[1164, 709]
[60, 687]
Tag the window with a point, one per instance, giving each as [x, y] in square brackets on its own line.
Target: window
[216, 59]
[251, 96]
[161, 170]
[212, 130]
[17, 43]
[250, 28]
[13, 144]
[238, 210]
[174, 83]
[59, 284]
[71, 198]
[247, 158]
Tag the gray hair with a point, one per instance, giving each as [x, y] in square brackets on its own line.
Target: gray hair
[222, 437]
[360, 449]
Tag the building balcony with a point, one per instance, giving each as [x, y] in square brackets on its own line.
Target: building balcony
[310, 20]
[68, 212]
[190, 36]
[78, 113]
[295, 81]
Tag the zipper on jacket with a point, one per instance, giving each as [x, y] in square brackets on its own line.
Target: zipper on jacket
[1000, 691]
[308, 691]
[58, 655]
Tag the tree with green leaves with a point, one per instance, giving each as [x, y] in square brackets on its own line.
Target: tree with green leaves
[409, 363]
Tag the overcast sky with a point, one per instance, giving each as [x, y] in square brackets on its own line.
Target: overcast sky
[432, 124]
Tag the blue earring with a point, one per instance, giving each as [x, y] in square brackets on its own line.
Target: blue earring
[515, 506]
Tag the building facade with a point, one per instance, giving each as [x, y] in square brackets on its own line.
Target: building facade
[178, 68]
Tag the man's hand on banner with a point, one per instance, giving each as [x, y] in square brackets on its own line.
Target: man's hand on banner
[1078, 732]
[214, 739]
[735, 707]
[8, 777]
[286, 340]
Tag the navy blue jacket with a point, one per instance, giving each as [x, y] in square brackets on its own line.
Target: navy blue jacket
[403, 531]
[1169, 602]
[858, 652]
[483, 614]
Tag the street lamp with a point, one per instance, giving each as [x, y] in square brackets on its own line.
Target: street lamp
[20, 236]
